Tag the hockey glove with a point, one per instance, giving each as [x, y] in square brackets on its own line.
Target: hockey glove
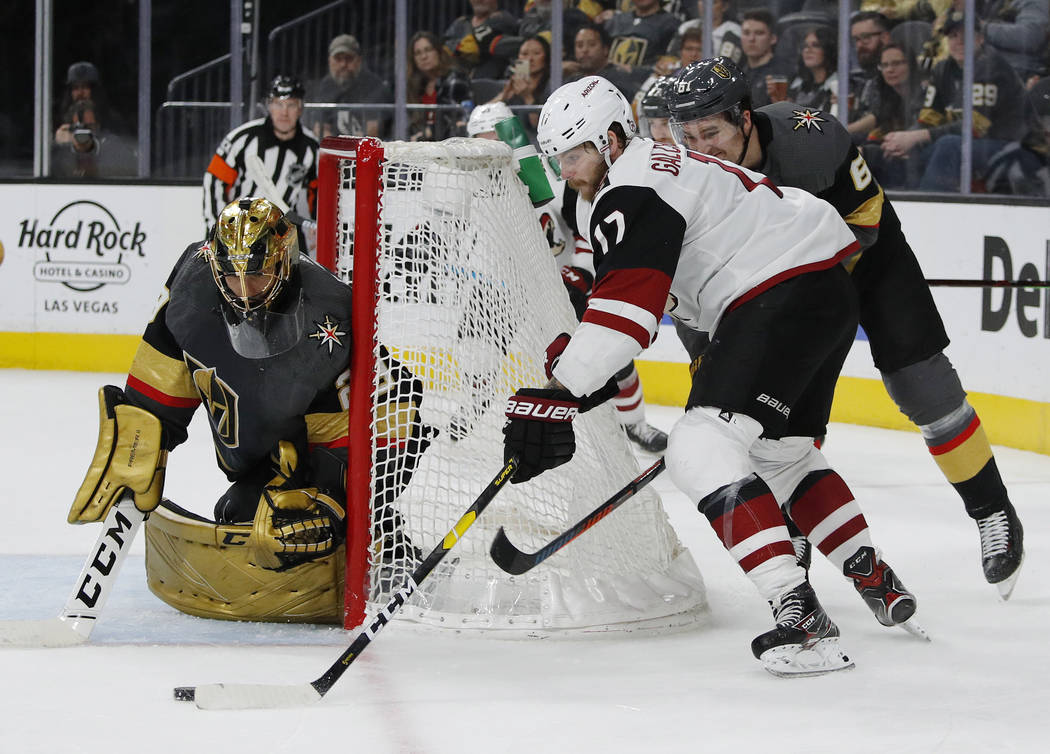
[578, 283]
[539, 431]
[294, 525]
[129, 455]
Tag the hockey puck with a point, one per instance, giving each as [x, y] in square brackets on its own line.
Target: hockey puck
[185, 693]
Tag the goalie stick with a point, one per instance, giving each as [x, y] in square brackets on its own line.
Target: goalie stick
[272, 696]
[514, 561]
[74, 624]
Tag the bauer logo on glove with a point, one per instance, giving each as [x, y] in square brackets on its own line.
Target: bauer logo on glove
[541, 409]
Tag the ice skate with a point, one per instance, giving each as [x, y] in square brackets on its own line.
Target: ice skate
[647, 437]
[879, 587]
[805, 641]
[1002, 549]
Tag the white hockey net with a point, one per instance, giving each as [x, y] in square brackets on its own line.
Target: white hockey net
[468, 299]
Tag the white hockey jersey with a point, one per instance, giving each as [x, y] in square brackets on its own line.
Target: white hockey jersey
[677, 231]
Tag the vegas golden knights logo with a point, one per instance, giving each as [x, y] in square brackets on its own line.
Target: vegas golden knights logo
[219, 399]
[628, 50]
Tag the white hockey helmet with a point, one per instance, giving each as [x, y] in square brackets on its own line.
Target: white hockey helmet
[484, 118]
[582, 111]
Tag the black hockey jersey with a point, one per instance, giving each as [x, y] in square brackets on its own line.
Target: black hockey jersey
[186, 358]
[811, 150]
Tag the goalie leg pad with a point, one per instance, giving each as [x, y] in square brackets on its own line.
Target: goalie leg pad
[208, 570]
[129, 455]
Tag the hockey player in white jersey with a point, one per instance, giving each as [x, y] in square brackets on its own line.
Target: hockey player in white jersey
[727, 252]
[576, 261]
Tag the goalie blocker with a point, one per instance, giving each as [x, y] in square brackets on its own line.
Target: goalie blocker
[129, 455]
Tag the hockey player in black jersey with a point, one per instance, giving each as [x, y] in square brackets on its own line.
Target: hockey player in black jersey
[728, 253]
[259, 335]
[808, 149]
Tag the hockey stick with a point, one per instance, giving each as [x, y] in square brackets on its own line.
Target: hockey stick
[956, 283]
[514, 561]
[257, 172]
[73, 625]
[272, 696]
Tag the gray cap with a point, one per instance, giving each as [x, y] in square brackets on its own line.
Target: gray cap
[82, 71]
[344, 43]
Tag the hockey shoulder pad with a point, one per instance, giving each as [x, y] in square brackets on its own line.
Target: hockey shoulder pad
[129, 455]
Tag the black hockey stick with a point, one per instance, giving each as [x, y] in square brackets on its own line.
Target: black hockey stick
[271, 696]
[514, 561]
[958, 283]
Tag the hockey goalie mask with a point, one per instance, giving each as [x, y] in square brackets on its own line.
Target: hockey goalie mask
[581, 112]
[253, 255]
[253, 252]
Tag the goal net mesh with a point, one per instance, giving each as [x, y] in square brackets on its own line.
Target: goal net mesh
[467, 298]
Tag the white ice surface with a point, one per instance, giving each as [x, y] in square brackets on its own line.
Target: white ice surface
[980, 686]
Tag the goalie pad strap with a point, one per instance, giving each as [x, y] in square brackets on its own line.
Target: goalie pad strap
[128, 455]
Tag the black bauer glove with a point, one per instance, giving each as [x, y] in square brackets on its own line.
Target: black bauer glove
[539, 430]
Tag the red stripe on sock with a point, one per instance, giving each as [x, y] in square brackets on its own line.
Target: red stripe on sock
[851, 528]
[761, 555]
[959, 439]
[747, 519]
[827, 495]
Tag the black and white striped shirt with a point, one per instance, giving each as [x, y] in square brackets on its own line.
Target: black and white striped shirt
[291, 165]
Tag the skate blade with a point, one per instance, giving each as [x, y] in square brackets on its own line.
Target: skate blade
[915, 629]
[795, 661]
[1006, 586]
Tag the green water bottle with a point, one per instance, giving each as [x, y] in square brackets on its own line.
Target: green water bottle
[530, 169]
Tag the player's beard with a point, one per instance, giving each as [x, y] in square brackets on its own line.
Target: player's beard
[587, 186]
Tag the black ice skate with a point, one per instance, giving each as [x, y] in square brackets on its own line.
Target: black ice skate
[1002, 549]
[883, 592]
[805, 641]
[647, 437]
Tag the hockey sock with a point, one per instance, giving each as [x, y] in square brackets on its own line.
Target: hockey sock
[960, 447]
[629, 402]
[747, 519]
[823, 507]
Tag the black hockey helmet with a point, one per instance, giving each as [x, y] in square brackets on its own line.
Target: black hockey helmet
[654, 101]
[286, 86]
[708, 87]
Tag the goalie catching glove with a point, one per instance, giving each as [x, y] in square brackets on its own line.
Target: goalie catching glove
[129, 455]
[293, 526]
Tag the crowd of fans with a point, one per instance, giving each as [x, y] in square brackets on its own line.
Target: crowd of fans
[905, 83]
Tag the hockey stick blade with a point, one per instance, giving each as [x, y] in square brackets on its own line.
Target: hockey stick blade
[266, 696]
[91, 590]
[514, 561]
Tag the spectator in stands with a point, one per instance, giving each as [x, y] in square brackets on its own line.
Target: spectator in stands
[432, 80]
[640, 36]
[895, 100]
[906, 10]
[82, 149]
[997, 120]
[591, 58]
[1017, 30]
[475, 40]
[768, 74]
[725, 38]
[348, 81]
[537, 18]
[83, 84]
[816, 84]
[529, 80]
[869, 32]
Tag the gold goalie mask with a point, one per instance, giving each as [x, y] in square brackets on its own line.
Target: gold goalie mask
[254, 258]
